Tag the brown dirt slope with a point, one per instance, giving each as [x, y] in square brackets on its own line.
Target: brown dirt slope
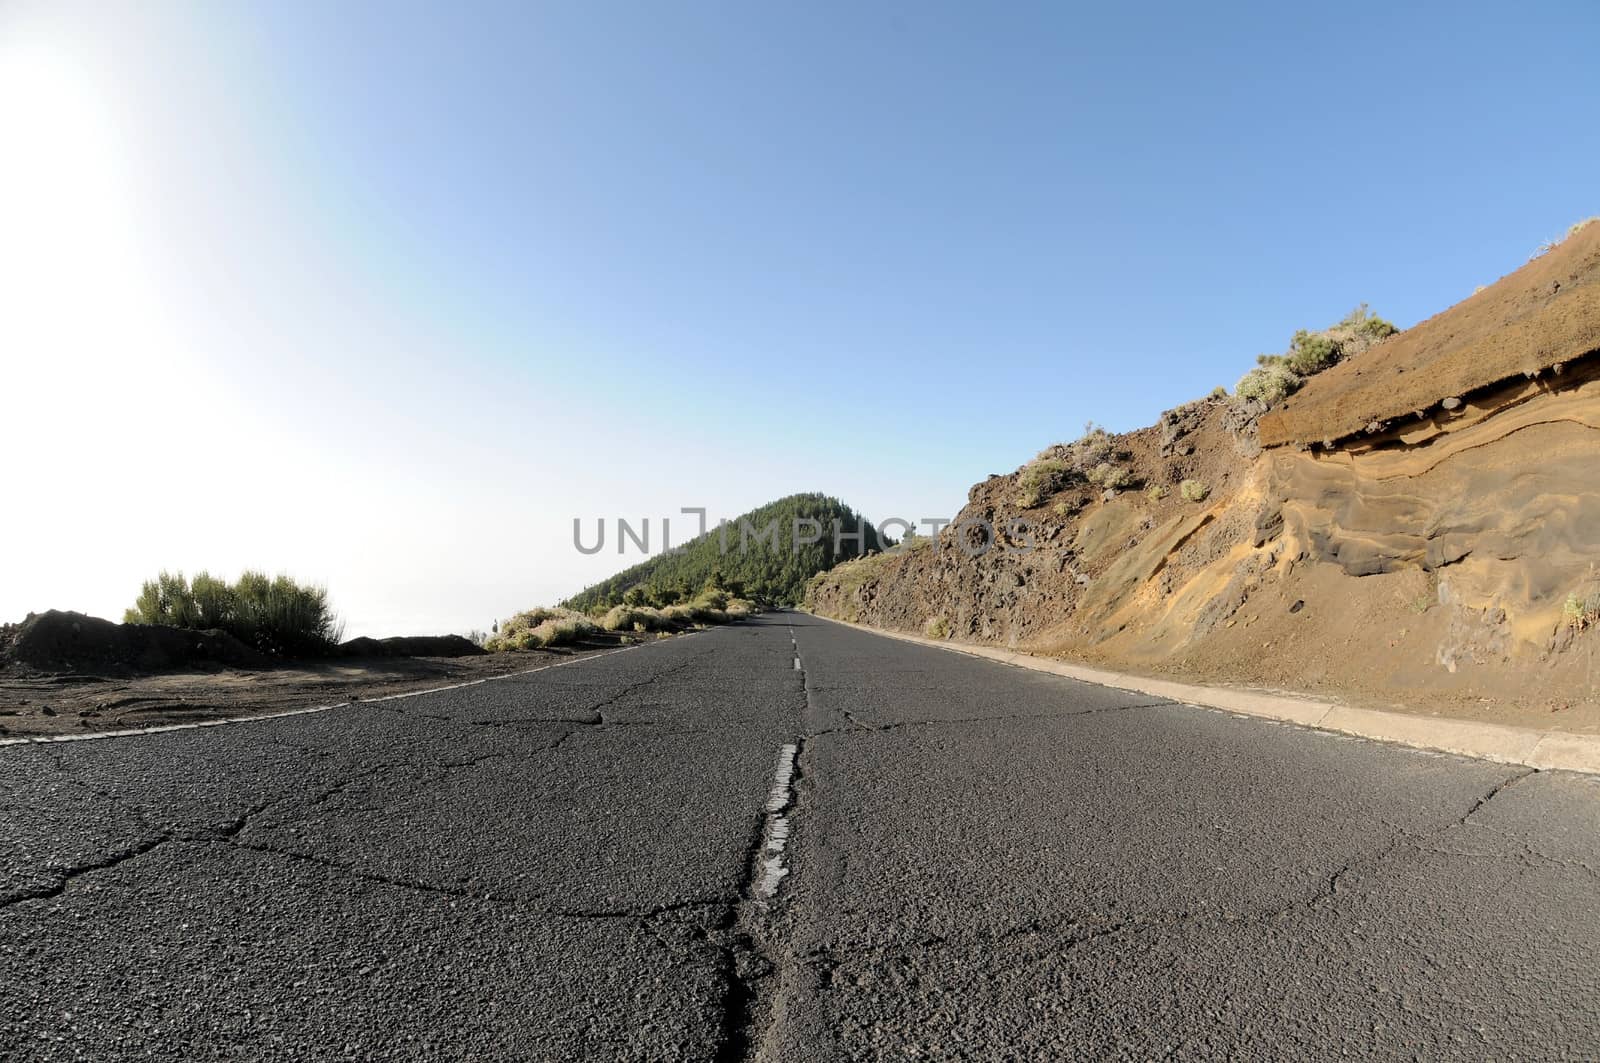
[1545, 314]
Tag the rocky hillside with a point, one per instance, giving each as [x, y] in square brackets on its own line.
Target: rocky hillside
[1418, 525]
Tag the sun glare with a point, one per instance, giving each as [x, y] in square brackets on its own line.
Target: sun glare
[71, 266]
[63, 203]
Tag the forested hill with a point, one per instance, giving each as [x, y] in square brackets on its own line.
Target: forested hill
[753, 562]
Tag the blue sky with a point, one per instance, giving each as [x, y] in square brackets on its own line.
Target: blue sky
[385, 295]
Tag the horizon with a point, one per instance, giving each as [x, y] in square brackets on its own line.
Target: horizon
[389, 319]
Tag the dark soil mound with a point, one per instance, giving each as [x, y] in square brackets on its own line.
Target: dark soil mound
[412, 646]
[67, 641]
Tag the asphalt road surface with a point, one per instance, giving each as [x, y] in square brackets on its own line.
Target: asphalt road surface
[695, 849]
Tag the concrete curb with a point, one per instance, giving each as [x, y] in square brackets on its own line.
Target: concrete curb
[1545, 750]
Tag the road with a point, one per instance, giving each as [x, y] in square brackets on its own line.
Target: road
[696, 849]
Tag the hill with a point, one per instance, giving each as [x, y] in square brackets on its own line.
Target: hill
[760, 555]
[1418, 524]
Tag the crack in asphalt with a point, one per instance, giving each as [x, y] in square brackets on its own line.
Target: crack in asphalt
[750, 957]
[230, 830]
[1404, 840]
[423, 885]
[341, 785]
[900, 725]
[744, 962]
[418, 885]
[595, 711]
[1527, 857]
[634, 688]
[557, 721]
[67, 876]
[1495, 792]
[398, 710]
[826, 960]
[754, 956]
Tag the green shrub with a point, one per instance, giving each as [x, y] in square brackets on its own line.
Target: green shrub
[274, 615]
[554, 632]
[214, 601]
[1155, 492]
[164, 600]
[1581, 611]
[1364, 322]
[1194, 491]
[533, 618]
[1311, 352]
[540, 627]
[1039, 479]
[1113, 477]
[1269, 383]
[562, 632]
[937, 628]
[281, 616]
[632, 618]
[739, 608]
[695, 613]
[1572, 230]
[1277, 376]
[711, 607]
[1095, 446]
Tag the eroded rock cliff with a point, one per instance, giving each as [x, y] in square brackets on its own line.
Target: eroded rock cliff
[1419, 526]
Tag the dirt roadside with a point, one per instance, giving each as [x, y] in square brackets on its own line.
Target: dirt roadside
[39, 703]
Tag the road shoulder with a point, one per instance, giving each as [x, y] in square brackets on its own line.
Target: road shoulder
[1545, 750]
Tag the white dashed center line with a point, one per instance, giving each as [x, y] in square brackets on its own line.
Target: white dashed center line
[776, 834]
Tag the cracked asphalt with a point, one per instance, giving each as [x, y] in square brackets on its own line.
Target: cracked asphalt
[983, 862]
